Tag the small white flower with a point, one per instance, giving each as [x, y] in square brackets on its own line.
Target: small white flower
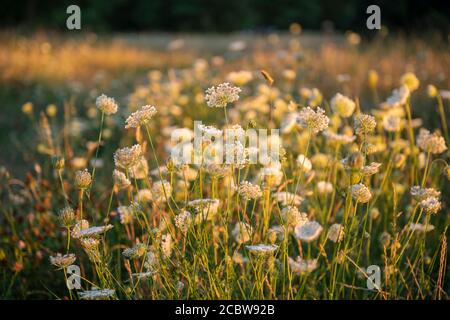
[308, 232]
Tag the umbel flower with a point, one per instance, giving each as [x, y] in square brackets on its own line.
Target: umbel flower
[97, 294]
[410, 80]
[431, 142]
[431, 205]
[262, 249]
[127, 157]
[361, 193]
[293, 217]
[308, 232]
[120, 179]
[315, 121]
[63, 261]
[343, 105]
[67, 217]
[220, 96]
[302, 266]
[83, 179]
[336, 232]
[106, 105]
[365, 123]
[140, 117]
[183, 221]
[135, 252]
[398, 98]
[248, 191]
[419, 193]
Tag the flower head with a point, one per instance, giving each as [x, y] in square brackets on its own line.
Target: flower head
[431, 205]
[336, 232]
[365, 123]
[315, 121]
[248, 191]
[63, 261]
[183, 221]
[140, 117]
[431, 142]
[220, 96]
[308, 232]
[361, 193]
[127, 157]
[106, 105]
[262, 249]
[120, 179]
[302, 266]
[83, 179]
[67, 216]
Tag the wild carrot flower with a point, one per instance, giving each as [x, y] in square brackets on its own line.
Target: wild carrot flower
[315, 121]
[83, 179]
[67, 216]
[166, 245]
[419, 193]
[140, 117]
[220, 96]
[120, 179]
[135, 252]
[433, 143]
[398, 98]
[127, 157]
[293, 217]
[262, 249]
[371, 169]
[63, 261]
[93, 231]
[302, 266]
[248, 191]
[361, 193]
[342, 105]
[97, 294]
[183, 221]
[106, 105]
[126, 214]
[308, 231]
[80, 225]
[365, 123]
[336, 232]
[431, 205]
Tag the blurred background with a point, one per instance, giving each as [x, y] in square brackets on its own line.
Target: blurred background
[224, 16]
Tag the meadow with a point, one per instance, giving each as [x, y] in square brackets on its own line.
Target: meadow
[88, 177]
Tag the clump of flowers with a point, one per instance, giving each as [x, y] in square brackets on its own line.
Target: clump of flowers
[127, 157]
[249, 191]
[140, 117]
[308, 231]
[431, 205]
[120, 179]
[183, 221]
[63, 261]
[361, 193]
[365, 123]
[431, 142]
[222, 95]
[106, 104]
[315, 121]
[83, 179]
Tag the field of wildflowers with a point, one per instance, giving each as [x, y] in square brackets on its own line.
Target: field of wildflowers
[91, 181]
